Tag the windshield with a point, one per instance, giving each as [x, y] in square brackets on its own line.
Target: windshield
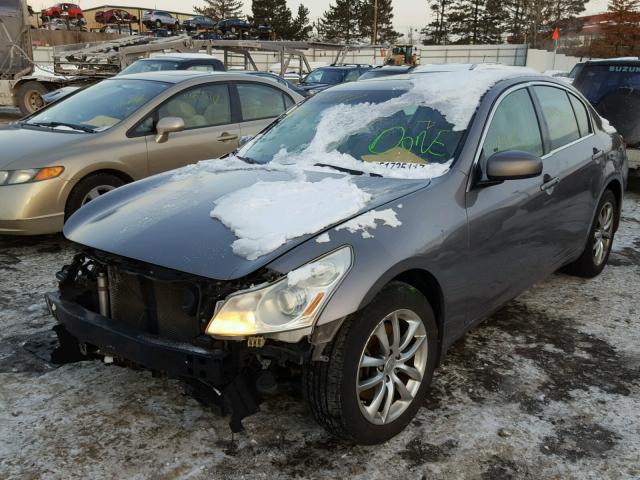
[596, 81]
[100, 106]
[360, 129]
[142, 66]
[379, 73]
[325, 75]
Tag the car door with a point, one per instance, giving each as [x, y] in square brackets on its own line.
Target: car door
[511, 226]
[574, 163]
[260, 104]
[210, 129]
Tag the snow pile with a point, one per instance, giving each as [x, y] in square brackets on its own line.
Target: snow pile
[368, 221]
[284, 210]
[324, 238]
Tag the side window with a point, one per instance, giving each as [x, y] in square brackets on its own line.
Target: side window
[260, 101]
[201, 68]
[352, 75]
[288, 102]
[581, 115]
[558, 113]
[514, 126]
[202, 106]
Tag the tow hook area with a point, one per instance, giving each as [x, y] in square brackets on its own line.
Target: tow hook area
[69, 350]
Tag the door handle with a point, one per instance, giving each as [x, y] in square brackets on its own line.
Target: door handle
[226, 137]
[597, 155]
[549, 182]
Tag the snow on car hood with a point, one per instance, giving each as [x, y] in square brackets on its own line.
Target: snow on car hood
[167, 220]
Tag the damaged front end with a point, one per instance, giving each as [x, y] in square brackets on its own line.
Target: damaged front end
[138, 314]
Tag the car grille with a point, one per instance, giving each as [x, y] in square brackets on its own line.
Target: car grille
[152, 306]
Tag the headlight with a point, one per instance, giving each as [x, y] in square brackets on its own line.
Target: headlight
[14, 177]
[291, 303]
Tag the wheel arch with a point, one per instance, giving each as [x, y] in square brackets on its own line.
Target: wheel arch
[426, 283]
[125, 177]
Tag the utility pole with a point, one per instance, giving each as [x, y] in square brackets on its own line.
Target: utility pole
[374, 30]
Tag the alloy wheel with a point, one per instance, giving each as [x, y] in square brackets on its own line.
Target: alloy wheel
[392, 366]
[95, 192]
[603, 233]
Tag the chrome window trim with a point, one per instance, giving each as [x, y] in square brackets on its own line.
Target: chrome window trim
[502, 96]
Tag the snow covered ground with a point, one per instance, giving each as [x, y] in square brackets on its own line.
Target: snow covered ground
[549, 387]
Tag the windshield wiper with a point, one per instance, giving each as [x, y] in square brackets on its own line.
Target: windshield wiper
[81, 128]
[247, 159]
[347, 170]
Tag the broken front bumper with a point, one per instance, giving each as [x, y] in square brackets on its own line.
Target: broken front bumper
[176, 359]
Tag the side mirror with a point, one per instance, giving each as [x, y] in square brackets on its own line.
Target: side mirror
[245, 139]
[166, 126]
[513, 165]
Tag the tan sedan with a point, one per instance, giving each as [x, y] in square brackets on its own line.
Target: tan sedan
[120, 130]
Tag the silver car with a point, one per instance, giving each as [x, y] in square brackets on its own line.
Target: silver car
[357, 237]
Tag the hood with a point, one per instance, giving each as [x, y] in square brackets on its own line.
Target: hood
[165, 220]
[313, 86]
[34, 147]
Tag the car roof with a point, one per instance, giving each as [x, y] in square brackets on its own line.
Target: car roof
[618, 60]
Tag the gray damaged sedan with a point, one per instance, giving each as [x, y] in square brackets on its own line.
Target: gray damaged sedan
[353, 240]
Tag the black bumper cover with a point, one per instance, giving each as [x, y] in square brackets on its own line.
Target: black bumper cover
[176, 359]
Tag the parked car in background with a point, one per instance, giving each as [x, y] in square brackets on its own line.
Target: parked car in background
[159, 19]
[234, 28]
[324, 77]
[115, 15]
[386, 71]
[167, 61]
[613, 88]
[175, 61]
[122, 129]
[276, 78]
[62, 10]
[199, 22]
[356, 239]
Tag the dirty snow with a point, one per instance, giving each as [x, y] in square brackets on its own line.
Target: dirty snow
[548, 388]
[284, 210]
[369, 221]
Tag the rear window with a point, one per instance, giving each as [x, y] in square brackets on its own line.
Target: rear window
[596, 81]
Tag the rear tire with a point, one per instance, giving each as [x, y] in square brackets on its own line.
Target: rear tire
[596, 253]
[158, 24]
[335, 389]
[91, 186]
[29, 97]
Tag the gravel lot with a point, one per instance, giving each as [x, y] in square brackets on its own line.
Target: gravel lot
[549, 387]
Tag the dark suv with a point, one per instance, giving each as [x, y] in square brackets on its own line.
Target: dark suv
[613, 88]
[325, 77]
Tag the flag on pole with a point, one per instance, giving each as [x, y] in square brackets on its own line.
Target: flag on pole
[556, 34]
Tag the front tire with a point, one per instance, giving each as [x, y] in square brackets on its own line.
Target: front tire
[596, 253]
[379, 368]
[90, 188]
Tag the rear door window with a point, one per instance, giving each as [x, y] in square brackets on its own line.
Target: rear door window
[581, 115]
[514, 126]
[558, 113]
[260, 101]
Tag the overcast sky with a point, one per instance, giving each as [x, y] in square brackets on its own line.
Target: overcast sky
[407, 13]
